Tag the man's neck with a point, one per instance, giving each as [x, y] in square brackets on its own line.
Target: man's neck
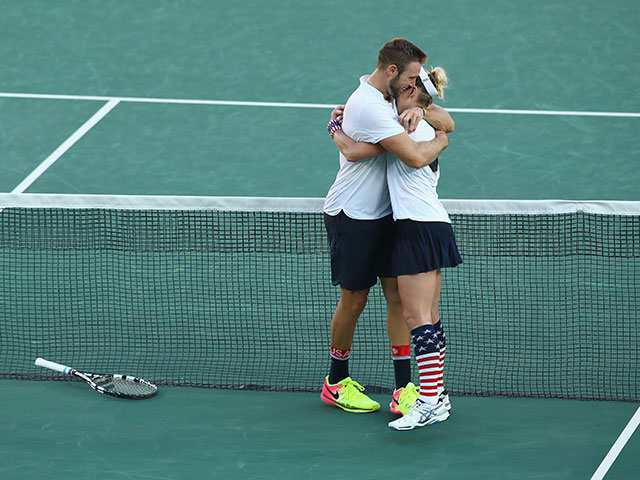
[378, 80]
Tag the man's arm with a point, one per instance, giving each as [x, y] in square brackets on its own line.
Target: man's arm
[436, 116]
[439, 118]
[416, 154]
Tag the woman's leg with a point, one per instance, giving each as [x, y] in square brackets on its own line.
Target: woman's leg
[417, 293]
[439, 331]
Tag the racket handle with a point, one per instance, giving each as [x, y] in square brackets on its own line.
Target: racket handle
[41, 362]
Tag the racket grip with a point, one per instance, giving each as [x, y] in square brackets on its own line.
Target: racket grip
[41, 362]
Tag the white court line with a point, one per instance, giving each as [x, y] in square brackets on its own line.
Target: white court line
[69, 142]
[545, 112]
[165, 100]
[617, 447]
[302, 105]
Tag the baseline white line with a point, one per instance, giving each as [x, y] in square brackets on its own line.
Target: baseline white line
[545, 112]
[46, 96]
[303, 105]
[183, 101]
[617, 447]
[68, 143]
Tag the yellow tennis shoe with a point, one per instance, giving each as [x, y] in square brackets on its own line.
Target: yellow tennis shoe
[403, 399]
[348, 396]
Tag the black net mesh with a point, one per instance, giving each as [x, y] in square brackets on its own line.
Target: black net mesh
[543, 305]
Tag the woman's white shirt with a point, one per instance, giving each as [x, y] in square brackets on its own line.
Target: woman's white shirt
[413, 190]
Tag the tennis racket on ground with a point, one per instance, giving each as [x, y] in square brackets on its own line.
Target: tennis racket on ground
[120, 386]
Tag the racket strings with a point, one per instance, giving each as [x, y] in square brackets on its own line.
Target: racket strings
[127, 386]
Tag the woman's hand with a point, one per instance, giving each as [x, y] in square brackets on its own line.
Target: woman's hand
[410, 118]
[338, 113]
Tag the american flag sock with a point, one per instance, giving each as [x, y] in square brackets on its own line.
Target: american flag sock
[401, 364]
[442, 344]
[425, 345]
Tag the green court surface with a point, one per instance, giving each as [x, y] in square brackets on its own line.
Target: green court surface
[62, 430]
[548, 62]
[32, 129]
[211, 149]
[252, 151]
[548, 57]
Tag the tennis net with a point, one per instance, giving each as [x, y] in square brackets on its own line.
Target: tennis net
[236, 293]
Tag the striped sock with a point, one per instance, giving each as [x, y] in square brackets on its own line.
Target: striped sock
[425, 344]
[401, 364]
[442, 344]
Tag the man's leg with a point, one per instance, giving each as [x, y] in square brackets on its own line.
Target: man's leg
[353, 246]
[339, 389]
[343, 327]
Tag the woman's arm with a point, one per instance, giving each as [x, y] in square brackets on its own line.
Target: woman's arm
[351, 150]
[355, 151]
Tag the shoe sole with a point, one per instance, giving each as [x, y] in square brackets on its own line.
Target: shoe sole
[431, 421]
[331, 401]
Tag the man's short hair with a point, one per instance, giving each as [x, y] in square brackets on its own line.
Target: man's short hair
[400, 52]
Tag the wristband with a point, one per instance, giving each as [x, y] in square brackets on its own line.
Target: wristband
[333, 126]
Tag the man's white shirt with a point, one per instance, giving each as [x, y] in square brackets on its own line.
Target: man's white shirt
[413, 190]
[360, 188]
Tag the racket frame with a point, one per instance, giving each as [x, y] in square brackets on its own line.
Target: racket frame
[90, 378]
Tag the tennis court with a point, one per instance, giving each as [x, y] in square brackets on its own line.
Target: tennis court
[200, 99]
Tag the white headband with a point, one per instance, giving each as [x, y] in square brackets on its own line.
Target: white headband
[428, 84]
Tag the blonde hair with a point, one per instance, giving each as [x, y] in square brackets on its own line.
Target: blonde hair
[440, 80]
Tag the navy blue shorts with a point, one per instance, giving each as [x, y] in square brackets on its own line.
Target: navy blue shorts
[360, 250]
[423, 247]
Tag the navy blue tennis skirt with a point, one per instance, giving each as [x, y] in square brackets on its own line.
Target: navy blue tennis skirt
[423, 247]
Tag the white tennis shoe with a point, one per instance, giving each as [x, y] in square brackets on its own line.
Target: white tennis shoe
[444, 399]
[421, 414]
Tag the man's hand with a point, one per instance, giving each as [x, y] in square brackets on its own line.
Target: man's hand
[338, 113]
[410, 118]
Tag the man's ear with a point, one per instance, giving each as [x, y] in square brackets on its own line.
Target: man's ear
[392, 70]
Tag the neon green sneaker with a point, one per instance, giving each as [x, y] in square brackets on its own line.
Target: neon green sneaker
[348, 396]
[403, 399]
